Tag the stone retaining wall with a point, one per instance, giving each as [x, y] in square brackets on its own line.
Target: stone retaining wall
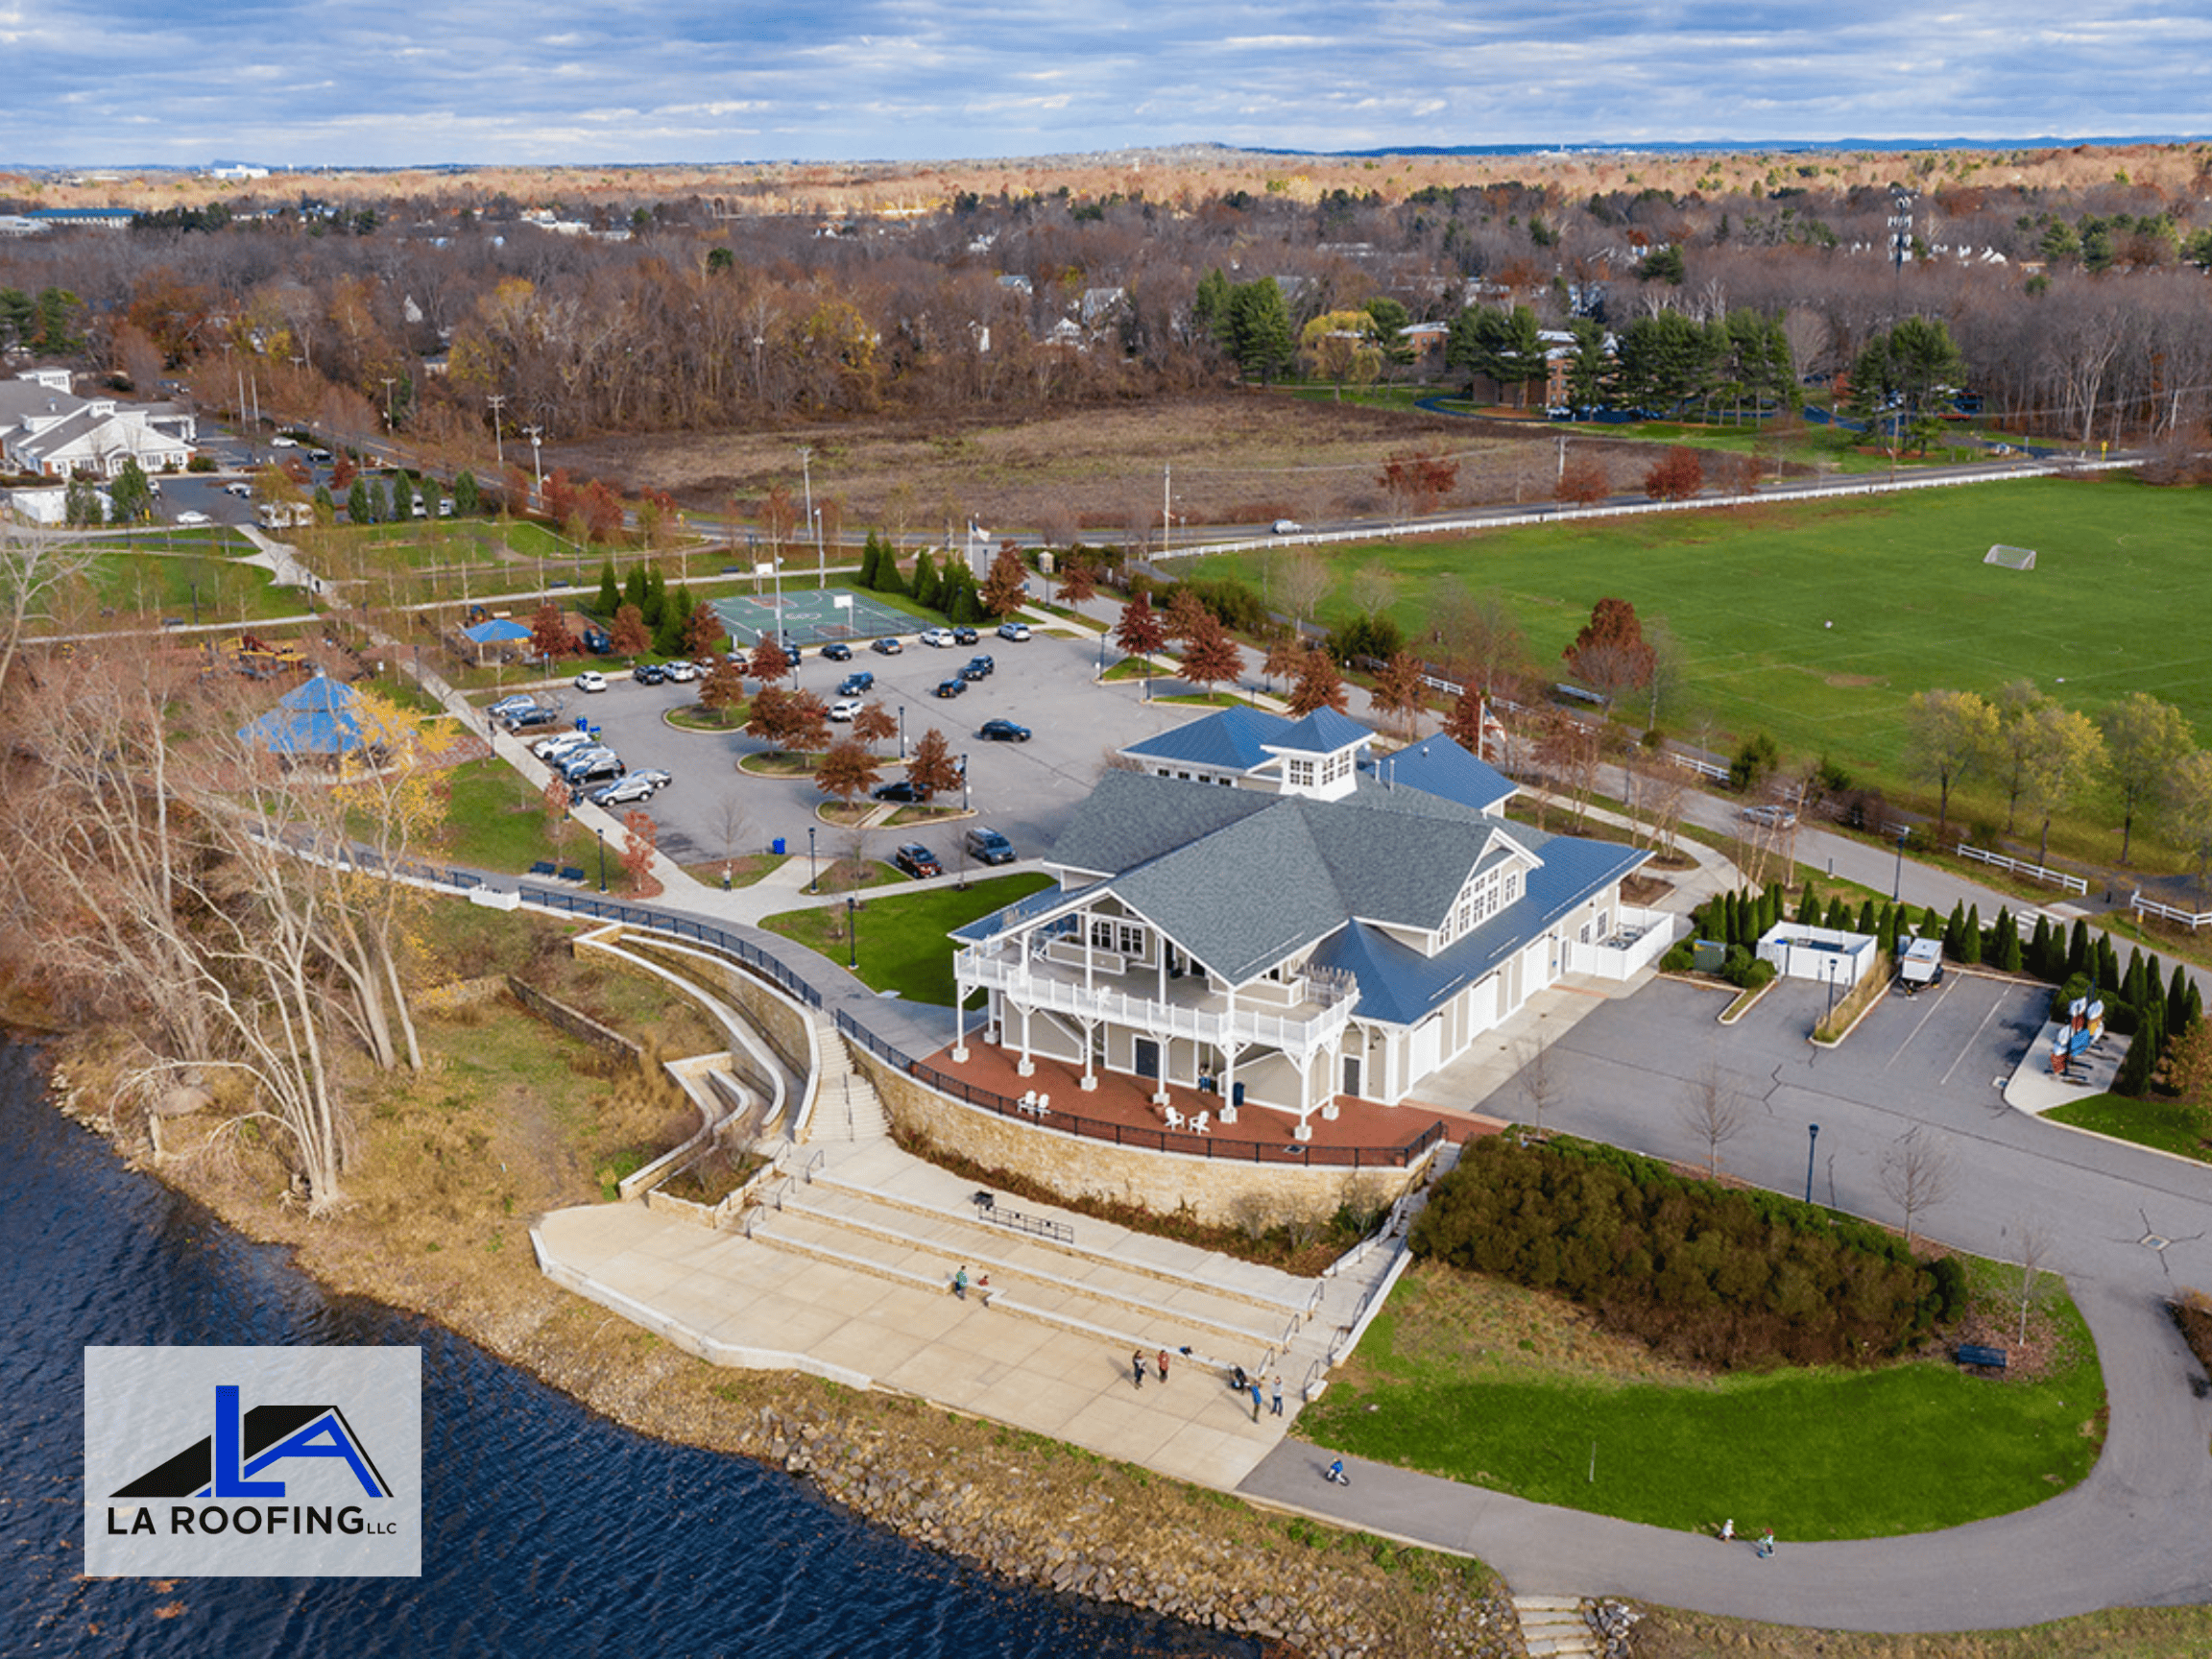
[1217, 1190]
[577, 1023]
[780, 1023]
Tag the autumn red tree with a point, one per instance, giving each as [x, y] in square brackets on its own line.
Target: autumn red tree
[640, 841]
[1400, 690]
[848, 770]
[873, 724]
[601, 511]
[704, 633]
[769, 662]
[1676, 475]
[1285, 655]
[1185, 614]
[561, 496]
[629, 637]
[788, 720]
[1078, 582]
[549, 635]
[723, 690]
[1584, 481]
[1611, 656]
[1418, 481]
[1319, 685]
[1209, 656]
[1140, 632]
[1464, 724]
[932, 767]
[1006, 589]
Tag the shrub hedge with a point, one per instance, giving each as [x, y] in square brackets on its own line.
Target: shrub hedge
[1724, 1276]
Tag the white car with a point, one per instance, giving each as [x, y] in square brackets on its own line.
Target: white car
[561, 744]
[193, 518]
[1288, 526]
[846, 708]
[682, 672]
[244, 491]
[938, 636]
[1017, 632]
[636, 786]
[281, 441]
[1773, 817]
[513, 705]
[591, 679]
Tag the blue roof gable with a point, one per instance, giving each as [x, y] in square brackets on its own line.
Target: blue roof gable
[1236, 739]
[1323, 732]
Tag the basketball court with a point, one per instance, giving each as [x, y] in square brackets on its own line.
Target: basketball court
[813, 616]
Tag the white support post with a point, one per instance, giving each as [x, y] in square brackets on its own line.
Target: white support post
[1025, 1067]
[960, 1014]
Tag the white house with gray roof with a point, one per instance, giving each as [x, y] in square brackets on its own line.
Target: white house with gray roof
[47, 429]
[1269, 912]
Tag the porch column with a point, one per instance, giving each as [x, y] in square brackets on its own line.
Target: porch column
[1024, 1067]
[1090, 1078]
[960, 1012]
[1229, 1047]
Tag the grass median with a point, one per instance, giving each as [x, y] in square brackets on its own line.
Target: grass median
[2182, 1127]
[1500, 1387]
[902, 945]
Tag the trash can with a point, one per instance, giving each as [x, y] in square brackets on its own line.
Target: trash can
[776, 846]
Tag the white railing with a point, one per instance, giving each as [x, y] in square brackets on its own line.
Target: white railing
[2021, 867]
[1861, 486]
[1244, 1027]
[1704, 768]
[2189, 919]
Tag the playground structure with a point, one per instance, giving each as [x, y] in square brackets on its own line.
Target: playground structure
[256, 658]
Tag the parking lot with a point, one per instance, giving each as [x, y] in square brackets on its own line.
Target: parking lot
[1026, 790]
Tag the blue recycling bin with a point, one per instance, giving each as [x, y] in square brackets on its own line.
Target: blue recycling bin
[776, 846]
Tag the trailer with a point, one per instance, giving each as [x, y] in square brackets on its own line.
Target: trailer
[1920, 964]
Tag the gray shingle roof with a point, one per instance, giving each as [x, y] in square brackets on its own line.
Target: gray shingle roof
[1133, 816]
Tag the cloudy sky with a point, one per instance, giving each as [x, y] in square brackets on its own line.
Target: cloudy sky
[307, 82]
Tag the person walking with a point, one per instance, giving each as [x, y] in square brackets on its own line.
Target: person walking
[1255, 1398]
[1162, 1364]
[1136, 1369]
[1766, 1543]
[1276, 1408]
[1728, 1531]
[960, 1283]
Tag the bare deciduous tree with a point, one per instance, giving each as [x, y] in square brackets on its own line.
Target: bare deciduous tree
[1918, 1174]
[1715, 1110]
[2034, 1250]
[1539, 1081]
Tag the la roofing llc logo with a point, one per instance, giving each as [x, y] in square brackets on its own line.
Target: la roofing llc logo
[254, 1462]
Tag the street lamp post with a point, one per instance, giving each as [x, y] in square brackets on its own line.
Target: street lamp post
[901, 731]
[851, 936]
[1897, 884]
[964, 802]
[536, 467]
[813, 870]
[1811, 1140]
[602, 834]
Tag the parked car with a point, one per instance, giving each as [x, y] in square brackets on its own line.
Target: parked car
[244, 491]
[592, 769]
[649, 674]
[682, 673]
[979, 668]
[855, 683]
[562, 743]
[846, 708]
[1772, 817]
[952, 688]
[591, 679]
[965, 636]
[629, 787]
[938, 636]
[887, 646]
[837, 652]
[513, 705]
[652, 775]
[1002, 732]
[1018, 631]
[536, 715]
[597, 642]
[916, 860]
[281, 441]
[1288, 526]
[320, 457]
[189, 518]
[899, 790]
[988, 847]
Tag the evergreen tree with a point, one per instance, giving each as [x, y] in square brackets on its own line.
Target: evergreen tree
[2078, 950]
[325, 509]
[2196, 1008]
[1992, 947]
[357, 507]
[2133, 1077]
[1808, 908]
[1970, 937]
[610, 591]
[924, 588]
[2039, 948]
[656, 605]
[2178, 1018]
[468, 496]
[1955, 933]
[2009, 949]
[887, 577]
[675, 615]
[1729, 928]
[1869, 921]
[1837, 919]
[869, 549]
[2108, 973]
[1890, 928]
[967, 604]
[634, 589]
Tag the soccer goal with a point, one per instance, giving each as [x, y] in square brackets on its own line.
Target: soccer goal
[2011, 557]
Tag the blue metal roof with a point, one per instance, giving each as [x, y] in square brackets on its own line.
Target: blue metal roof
[496, 631]
[1323, 732]
[322, 717]
[1439, 766]
[1234, 740]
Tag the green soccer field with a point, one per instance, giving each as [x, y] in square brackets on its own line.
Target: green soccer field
[2119, 601]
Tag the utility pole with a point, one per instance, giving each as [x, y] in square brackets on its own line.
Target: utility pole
[536, 436]
[388, 384]
[1562, 480]
[1167, 508]
[806, 483]
[499, 449]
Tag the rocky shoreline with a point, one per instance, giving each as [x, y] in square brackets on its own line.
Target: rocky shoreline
[1026, 1509]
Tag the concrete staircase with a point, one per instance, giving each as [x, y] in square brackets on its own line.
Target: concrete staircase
[847, 1108]
[1554, 1625]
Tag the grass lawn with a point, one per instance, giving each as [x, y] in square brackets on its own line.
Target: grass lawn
[744, 870]
[150, 583]
[696, 717]
[902, 945]
[497, 821]
[2125, 1633]
[2176, 1126]
[2118, 603]
[1440, 1384]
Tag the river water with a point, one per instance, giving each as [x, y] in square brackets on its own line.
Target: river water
[547, 1530]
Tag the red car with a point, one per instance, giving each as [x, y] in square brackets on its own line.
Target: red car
[916, 860]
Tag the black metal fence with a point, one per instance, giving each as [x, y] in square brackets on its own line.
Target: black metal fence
[681, 927]
[1144, 1137]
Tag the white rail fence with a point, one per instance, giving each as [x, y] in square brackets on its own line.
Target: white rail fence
[2189, 919]
[2021, 867]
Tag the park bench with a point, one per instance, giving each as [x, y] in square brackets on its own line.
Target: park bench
[1974, 1354]
[572, 874]
[544, 867]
